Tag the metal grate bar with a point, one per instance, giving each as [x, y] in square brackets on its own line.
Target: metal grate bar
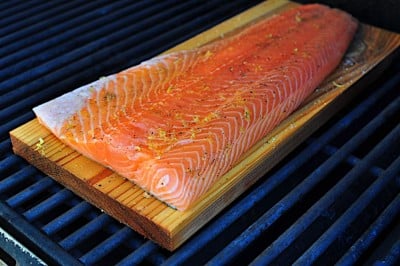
[29, 192]
[26, 102]
[70, 34]
[352, 160]
[369, 237]
[17, 178]
[156, 258]
[351, 214]
[307, 219]
[59, 80]
[13, 123]
[108, 245]
[57, 256]
[85, 231]
[8, 7]
[73, 46]
[8, 163]
[67, 218]
[394, 255]
[50, 203]
[140, 254]
[391, 258]
[10, 16]
[270, 217]
[261, 192]
[5, 147]
[111, 39]
[29, 25]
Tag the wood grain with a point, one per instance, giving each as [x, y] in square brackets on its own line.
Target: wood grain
[166, 226]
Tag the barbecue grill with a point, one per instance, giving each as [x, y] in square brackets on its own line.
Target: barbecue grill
[334, 199]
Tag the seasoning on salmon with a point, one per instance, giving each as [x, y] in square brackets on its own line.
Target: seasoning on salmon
[176, 123]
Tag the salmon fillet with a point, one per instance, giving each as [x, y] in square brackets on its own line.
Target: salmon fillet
[176, 123]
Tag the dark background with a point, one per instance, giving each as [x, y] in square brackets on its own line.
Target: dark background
[381, 13]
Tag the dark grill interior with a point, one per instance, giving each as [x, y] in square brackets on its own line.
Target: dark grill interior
[335, 199]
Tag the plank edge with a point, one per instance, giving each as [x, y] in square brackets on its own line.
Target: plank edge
[123, 214]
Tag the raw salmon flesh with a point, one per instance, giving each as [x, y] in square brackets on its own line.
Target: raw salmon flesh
[176, 123]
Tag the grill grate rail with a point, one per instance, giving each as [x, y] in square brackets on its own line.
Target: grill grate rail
[336, 198]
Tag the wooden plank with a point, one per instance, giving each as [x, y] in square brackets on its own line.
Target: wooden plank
[166, 226]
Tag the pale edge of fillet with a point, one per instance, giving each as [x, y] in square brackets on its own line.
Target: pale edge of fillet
[54, 113]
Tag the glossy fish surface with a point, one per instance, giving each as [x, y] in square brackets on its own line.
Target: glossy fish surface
[176, 123]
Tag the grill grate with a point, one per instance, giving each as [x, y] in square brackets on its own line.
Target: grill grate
[336, 198]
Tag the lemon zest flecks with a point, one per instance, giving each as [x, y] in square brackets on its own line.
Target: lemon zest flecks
[162, 133]
[210, 116]
[337, 85]
[70, 124]
[208, 54]
[110, 96]
[247, 114]
[40, 146]
[258, 68]
[146, 195]
[298, 18]
[196, 119]
[170, 89]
